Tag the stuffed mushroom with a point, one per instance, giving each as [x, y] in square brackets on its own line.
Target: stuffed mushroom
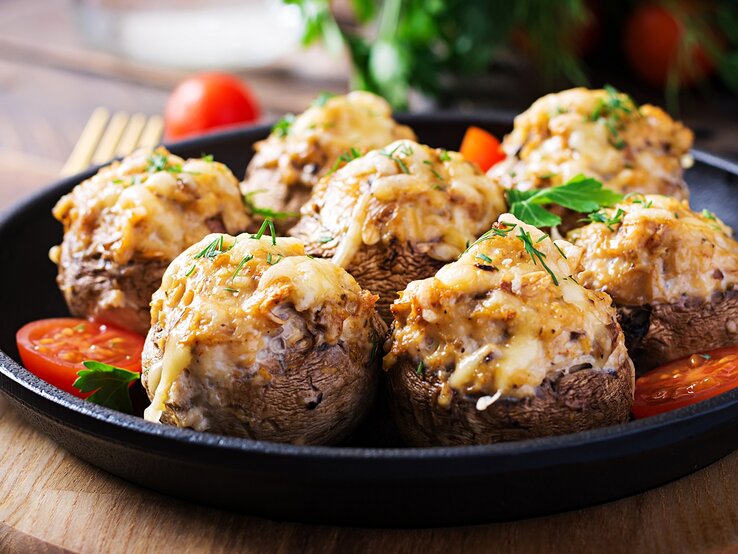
[504, 344]
[252, 338]
[671, 272]
[302, 149]
[124, 225]
[398, 214]
[598, 133]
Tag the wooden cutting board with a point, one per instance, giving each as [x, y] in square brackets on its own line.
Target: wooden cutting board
[52, 502]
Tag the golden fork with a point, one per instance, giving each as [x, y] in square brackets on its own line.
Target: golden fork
[105, 137]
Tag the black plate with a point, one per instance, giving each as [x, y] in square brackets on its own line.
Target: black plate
[359, 484]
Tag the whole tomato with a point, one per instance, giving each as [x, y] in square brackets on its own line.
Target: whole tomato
[653, 38]
[206, 102]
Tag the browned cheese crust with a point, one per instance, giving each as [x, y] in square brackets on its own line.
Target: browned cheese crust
[278, 347]
[124, 225]
[670, 271]
[289, 163]
[492, 349]
[398, 214]
[600, 134]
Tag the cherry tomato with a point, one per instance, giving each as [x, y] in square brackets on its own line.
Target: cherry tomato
[686, 381]
[54, 349]
[482, 148]
[653, 38]
[206, 102]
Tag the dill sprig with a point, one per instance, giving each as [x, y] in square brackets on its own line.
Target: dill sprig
[536, 255]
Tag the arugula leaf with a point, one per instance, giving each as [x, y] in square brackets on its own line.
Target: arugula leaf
[581, 194]
[109, 383]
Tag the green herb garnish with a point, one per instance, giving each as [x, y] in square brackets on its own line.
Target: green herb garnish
[346, 157]
[444, 156]
[707, 214]
[322, 98]
[230, 289]
[207, 157]
[419, 371]
[213, 249]
[325, 239]
[484, 258]
[266, 224]
[240, 265]
[264, 212]
[611, 111]
[580, 193]
[535, 254]
[405, 150]
[109, 383]
[602, 217]
[282, 127]
[191, 271]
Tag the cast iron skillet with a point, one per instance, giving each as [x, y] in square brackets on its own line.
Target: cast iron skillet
[368, 481]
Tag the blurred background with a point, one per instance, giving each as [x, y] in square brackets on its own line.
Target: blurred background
[62, 59]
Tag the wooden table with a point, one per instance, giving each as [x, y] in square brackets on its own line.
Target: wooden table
[52, 502]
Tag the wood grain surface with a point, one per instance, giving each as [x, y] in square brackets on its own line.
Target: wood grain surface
[51, 501]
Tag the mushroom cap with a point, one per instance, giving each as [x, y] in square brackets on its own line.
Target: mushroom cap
[288, 164]
[125, 224]
[601, 134]
[398, 214]
[499, 346]
[252, 338]
[672, 274]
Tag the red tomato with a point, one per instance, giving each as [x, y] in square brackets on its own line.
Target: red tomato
[686, 381]
[54, 349]
[653, 37]
[481, 147]
[206, 102]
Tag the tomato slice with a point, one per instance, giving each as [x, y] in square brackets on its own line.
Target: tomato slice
[54, 349]
[482, 148]
[686, 381]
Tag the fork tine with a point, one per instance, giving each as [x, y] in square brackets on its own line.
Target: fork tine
[110, 139]
[151, 135]
[82, 152]
[130, 137]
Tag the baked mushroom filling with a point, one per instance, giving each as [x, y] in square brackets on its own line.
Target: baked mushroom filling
[654, 249]
[125, 224]
[301, 149]
[598, 133]
[503, 317]
[228, 321]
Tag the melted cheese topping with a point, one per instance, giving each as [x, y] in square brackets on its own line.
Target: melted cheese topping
[405, 192]
[134, 209]
[560, 136]
[495, 322]
[660, 252]
[323, 133]
[224, 298]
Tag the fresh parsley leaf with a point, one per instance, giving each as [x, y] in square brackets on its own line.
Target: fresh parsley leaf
[602, 217]
[109, 383]
[207, 157]
[581, 194]
[444, 156]
[264, 212]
